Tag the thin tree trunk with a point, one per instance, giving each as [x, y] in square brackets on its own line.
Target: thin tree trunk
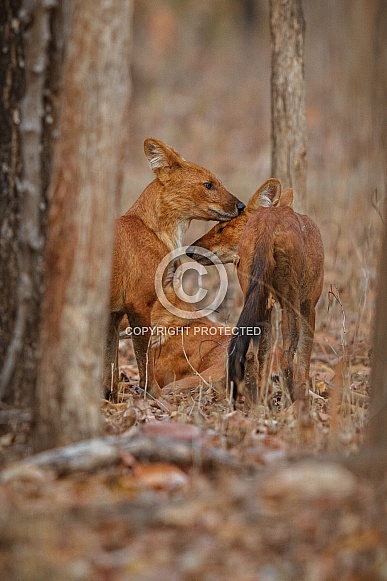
[81, 223]
[378, 411]
[32, 40]
[288, 103]
[12, 81]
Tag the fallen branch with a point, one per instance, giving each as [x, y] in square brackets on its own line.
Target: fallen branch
[14, 416]
[91, 455]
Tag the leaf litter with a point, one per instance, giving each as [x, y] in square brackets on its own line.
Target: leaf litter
[268, 505]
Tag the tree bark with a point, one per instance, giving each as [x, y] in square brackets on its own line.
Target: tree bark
[288, 103]
[12, 80]
[378, 411]
[81, 223]
[32, 41]
[378, 408]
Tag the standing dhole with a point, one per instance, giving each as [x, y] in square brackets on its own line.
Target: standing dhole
[280, 257]
[153, 227]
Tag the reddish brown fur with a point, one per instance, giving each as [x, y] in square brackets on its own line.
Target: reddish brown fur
[152, 227]
[280, 259]
[205, 343]
[198, 344]
[224, 241]
[214, 376]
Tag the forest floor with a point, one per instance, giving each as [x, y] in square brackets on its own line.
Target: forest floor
[206, 492]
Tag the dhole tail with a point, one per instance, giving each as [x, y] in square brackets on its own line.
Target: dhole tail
[254, 312]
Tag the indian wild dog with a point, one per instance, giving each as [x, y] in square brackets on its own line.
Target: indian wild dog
[224, 242]
[279, 256]
[182, 346]
[152, 227]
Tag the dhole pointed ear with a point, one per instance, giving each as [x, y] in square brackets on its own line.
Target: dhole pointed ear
[161, 157]
[286, 198]
[266, 195]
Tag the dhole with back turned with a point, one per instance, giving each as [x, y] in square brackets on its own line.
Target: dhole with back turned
[153, 227]
[279, 256]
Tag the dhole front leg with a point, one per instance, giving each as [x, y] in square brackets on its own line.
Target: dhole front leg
[111, 373]
[141, 326]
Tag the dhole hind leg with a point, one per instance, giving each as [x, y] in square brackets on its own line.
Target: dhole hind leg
[141, 326]
[111, 372]
[250, 379]
[264, 356]
[257, 365]
[305, 344]
[290, 336]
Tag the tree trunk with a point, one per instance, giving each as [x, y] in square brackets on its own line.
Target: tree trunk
[378, 411]
[288, 104]
[12, 82]
[81, 223]
[29, 76]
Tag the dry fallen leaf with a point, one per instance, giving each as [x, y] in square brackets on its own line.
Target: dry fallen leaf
[323, 416]
[323, 372]
[171, 429]
[158, 476]
[321, 386]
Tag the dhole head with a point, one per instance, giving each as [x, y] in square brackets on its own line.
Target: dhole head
[189, 189]
[223, 239]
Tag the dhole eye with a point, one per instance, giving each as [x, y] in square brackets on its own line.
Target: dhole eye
[209, 185]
